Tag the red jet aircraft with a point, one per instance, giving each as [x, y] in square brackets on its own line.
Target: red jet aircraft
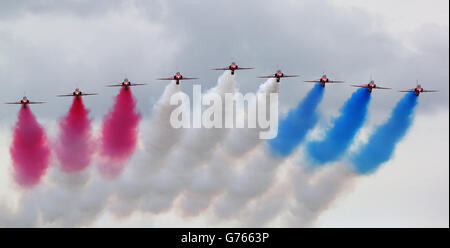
[177, 77]
[323, 80]
[232, 67]
[370, 86]
[24, 102]
[77, 93]
[278, 75]
[418, 90]
[126, 83]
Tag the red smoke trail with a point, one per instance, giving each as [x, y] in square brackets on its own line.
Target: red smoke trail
[29, 151]
[119, 133]
[74, 145]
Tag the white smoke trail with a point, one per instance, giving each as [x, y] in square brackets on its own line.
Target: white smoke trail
[194, 150]
[23, 216]
[266, 208]
[242, 140]
[312, 191]
[67, 200]
[159, 136]
[315, 190]
[67, 206]
[207, 183]
[252, 181]
[159, 139]
[214, 177]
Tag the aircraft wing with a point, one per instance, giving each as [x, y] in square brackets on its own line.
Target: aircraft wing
[13, 103]
[382, 88]
[227, 68]
[430, 91]
[329, 81]
[186, 78]
[114, 85]
[412, 90]
[133, 84]
[36, 102]
[169, 78]
[361, 86]
[82, 94]
[271, 76]
[291, 75]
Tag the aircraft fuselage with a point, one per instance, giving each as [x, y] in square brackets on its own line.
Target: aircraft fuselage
[418, 90]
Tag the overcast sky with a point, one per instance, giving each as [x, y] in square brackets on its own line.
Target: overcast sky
[49, 47]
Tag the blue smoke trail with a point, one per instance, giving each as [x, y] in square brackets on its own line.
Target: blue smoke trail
[339, 137]
[293, 129]
[382, 143]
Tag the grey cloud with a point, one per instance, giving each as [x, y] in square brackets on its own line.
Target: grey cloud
[299, 37]
[17, 9]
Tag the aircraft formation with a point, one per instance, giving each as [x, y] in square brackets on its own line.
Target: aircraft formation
[177, 77]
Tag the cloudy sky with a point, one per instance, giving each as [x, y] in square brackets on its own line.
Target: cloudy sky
[49, 47]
